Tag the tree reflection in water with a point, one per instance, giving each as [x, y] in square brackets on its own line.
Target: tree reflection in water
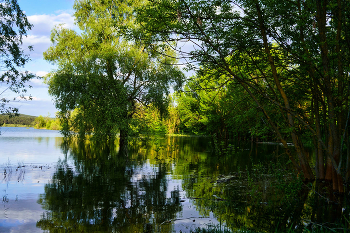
[243, 189]
[106, 193]
[262, 195]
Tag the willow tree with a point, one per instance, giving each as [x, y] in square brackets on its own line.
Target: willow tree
[102, 75]
[308, 84]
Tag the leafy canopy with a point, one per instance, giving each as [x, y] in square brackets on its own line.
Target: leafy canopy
[104, 74]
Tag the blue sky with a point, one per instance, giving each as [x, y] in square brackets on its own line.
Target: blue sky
[44, 15]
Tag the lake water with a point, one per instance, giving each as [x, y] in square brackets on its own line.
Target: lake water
[33, 162]
[166, 184]
[28, 159]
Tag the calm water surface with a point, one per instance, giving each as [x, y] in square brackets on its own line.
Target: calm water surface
[166, 184]
[44, 183]
[27, 162]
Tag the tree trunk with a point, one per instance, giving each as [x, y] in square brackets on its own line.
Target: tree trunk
[304, 164]
[319, 151]
[334, 140]
[123, 142]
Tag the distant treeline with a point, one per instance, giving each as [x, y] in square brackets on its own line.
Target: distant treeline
[17, 120]
[39, 122]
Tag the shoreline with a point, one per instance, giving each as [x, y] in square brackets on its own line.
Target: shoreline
[17, 125]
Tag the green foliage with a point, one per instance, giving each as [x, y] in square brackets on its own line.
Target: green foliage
[172, 120]
[47, 123]
[103, 75]
[291, 58]
[16, 120]
[214, 104]
[289, 184]
[148, 121]
[40, 122]
[13, 26]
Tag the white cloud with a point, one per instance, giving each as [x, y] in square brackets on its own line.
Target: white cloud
[44, 23]
[39, 43]
[41, 73]
[34, 39]
[37, 83]
[39, 36]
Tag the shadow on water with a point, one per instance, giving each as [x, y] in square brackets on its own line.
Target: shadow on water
[248, 187]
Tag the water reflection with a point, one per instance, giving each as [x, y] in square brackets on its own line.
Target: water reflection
[104, 192]
[27, 157]
[93, 189]
[258, 190]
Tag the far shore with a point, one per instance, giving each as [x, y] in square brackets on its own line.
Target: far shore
[16, 125]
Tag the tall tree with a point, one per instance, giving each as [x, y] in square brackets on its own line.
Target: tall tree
[103, 74]
[13, 26]
[297, 55]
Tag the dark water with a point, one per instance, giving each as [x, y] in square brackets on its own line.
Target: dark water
[166, 184]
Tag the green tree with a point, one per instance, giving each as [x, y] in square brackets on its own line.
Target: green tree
[172, 120]
[40, 122]
[148, 120]
[47, 122]
[13, 26]
[17, 120]
[104, 74]
[218, 106]
[290, 57]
